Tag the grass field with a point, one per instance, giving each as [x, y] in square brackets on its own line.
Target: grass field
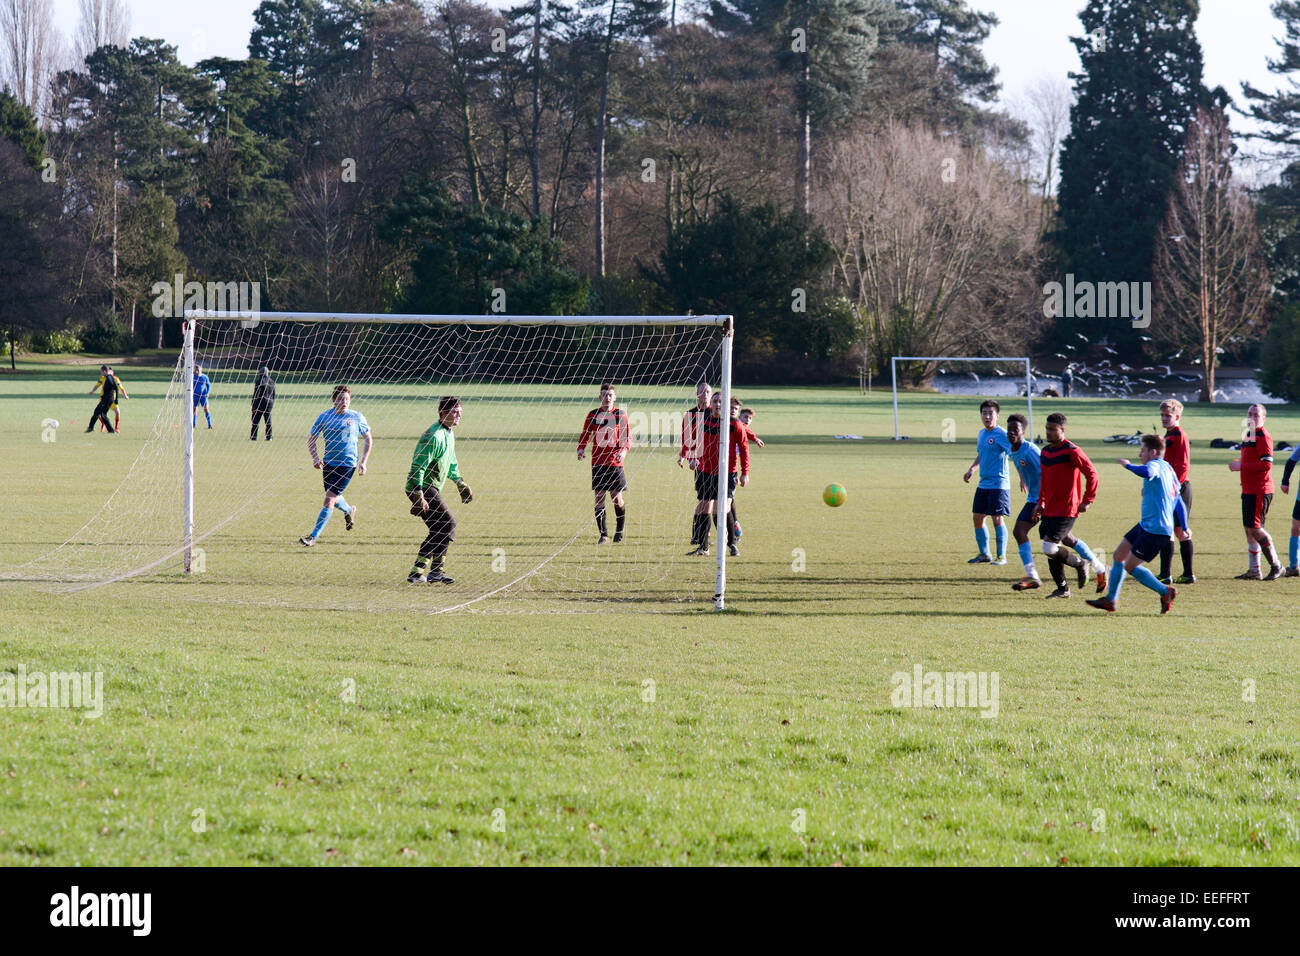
[293, 707]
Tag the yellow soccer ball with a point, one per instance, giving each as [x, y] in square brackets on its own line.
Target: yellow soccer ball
[834, 495]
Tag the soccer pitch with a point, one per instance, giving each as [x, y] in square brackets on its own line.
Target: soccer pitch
[249, 717]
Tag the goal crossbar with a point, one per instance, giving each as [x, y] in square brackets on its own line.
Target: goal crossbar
[408, 319]
[893, 374]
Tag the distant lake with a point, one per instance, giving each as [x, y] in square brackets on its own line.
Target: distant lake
[1234, 387]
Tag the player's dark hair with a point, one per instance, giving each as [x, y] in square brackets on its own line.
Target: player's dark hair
[747, 411]
[446, 404]
[339, 390]
[989, 403]
[1017, 417]
[1056, 418]
[1155, 443]
[607, 387]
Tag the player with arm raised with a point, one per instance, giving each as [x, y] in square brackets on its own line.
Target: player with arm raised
[1164, 513]
[1025, 456]
[432, 464]
[993, 493]
[707, 479]
[607, 429]
[1061, 499]
[744, 416]
[1256, 467]
[340, 426]
[1178, 457]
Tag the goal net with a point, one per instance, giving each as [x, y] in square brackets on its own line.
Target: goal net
[526, 384]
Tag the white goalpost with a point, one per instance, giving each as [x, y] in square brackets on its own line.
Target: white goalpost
[210, 506]
[893, 374]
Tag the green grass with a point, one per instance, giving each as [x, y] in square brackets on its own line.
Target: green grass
[314, 727]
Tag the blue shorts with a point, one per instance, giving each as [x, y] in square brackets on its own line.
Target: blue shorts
[1027, 514]
[337, 478]
[1145, 544]
[992, 501]
[201, 401]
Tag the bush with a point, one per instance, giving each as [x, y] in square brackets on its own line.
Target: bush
[108, 336]
[1280, 356]
[56, 342]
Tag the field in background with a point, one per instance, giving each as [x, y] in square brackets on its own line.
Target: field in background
[650, 731]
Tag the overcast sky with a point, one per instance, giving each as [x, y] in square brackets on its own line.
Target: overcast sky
[1032, 41]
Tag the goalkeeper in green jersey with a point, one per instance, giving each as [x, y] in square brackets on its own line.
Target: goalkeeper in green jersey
[432, 464]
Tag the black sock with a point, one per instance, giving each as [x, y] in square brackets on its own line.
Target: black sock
[1185, 551]
[731, 528]
[600, 520]
[734, 517]
[699, 528]
[1167, 558]
[1056, 566]
[619, 515]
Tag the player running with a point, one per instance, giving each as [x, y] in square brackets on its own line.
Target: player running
[611, 440]
[993, 493]
[707, 478]
[1256, 467]
[432, 464]
[202, 386]
[1163, 513]
[109, 387]
[693, 439]
[1178, 457]
[340, 427]
[1025, 456]
[1061, 499]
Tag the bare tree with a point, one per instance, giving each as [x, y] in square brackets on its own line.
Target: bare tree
[31, 51]
[936, 244]
[1211, 280]
[1047, 110]
[102, 23]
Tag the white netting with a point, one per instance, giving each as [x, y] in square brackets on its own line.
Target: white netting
[530, 531]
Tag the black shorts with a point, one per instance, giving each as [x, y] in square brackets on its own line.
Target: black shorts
[608, 478]
[1295, 512]
[706, 486]
[1055, 529]
[991, 501]
[336, 478]
[1185, 492]
[1145, 544]
[1027, 514]
[1254, 509]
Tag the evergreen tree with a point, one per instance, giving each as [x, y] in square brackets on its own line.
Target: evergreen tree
[1139, 89]
[18, 124]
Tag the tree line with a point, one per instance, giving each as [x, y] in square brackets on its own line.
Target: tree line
[837, 173]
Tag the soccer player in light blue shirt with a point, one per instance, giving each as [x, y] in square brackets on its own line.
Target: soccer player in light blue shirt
[1025, 456]
[1163, 514]
[202, 386]
[340, 427]
[993, 493]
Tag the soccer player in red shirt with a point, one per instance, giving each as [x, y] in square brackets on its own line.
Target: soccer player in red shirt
[1178, 455]
[1061, 499]
[693, 439]
[1256, 467]
[707, 477]
[611, 439]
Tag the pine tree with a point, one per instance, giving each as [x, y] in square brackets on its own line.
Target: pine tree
[1139, 89]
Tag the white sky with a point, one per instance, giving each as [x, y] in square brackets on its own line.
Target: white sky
[1237, 36]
